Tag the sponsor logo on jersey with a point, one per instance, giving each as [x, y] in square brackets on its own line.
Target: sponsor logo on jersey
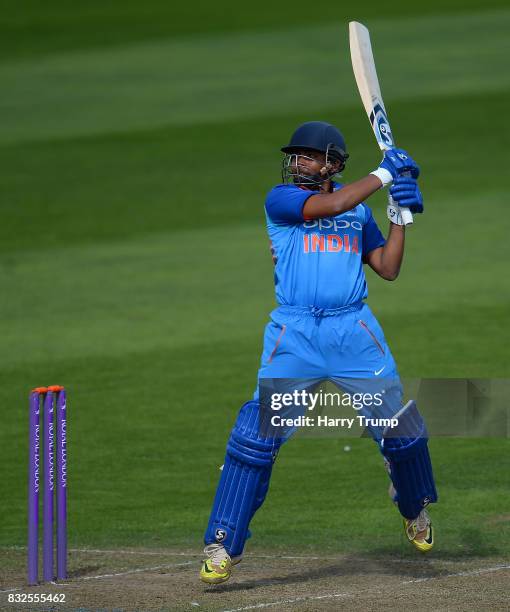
[335, 235]
[332, 223]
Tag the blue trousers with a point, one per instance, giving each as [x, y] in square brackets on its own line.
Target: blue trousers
[310, 345]
[346, 343]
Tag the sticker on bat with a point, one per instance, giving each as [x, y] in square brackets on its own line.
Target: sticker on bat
[381, 126]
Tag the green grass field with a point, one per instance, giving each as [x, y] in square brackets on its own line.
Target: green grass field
[136, 147]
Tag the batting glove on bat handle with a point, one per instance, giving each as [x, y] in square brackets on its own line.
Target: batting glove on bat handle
[397, 162]
[406, 193]
[399, 215]
[407, 215]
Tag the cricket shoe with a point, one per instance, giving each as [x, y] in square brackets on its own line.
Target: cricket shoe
[419, 531]
[217, 567]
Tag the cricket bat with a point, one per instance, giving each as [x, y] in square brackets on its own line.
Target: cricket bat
[365, 74]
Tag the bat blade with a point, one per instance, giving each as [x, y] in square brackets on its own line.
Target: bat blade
[363, 65]
[367, 81]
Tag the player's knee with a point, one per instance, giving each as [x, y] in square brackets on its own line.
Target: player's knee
[247, 444]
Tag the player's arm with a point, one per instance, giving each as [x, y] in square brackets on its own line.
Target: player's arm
[394, 163]
[386, 260]
[331, 204]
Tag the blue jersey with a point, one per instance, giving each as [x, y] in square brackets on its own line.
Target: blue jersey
[318, 262]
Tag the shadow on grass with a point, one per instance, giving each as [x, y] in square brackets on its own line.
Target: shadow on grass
[348, 566]
[472, 543]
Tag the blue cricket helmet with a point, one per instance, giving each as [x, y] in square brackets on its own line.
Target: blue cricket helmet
[314, 136]
[319, 136]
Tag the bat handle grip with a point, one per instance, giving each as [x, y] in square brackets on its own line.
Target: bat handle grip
[407, 215]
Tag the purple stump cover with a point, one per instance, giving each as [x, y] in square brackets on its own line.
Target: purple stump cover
[34, 441]
[61, 486]
[49, 487]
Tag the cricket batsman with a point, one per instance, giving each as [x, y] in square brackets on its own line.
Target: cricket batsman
[322, 233]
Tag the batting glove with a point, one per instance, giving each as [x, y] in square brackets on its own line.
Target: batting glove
[405, 192]
[395, 163]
